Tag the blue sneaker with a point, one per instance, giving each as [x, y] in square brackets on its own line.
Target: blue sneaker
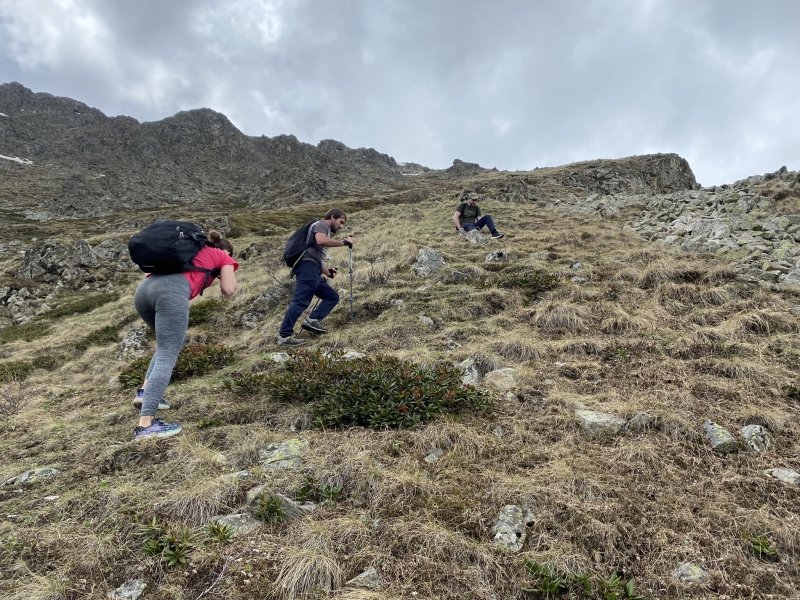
[158, 429]
[137, 403]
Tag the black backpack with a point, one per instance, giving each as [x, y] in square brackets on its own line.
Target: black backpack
[296, 246]
[169, 247]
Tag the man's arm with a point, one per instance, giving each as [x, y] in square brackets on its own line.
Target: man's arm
[457, 220]
[327, 242]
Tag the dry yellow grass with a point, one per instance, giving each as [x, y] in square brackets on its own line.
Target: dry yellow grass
[670, 335]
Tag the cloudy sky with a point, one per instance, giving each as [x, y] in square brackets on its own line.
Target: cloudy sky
[512, 84]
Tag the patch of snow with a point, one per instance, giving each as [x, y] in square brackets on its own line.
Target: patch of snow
[3, 115]
[17, 159]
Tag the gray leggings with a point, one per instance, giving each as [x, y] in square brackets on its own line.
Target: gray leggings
[163, 303]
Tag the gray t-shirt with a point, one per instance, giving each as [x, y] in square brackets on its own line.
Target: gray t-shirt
[315, 252]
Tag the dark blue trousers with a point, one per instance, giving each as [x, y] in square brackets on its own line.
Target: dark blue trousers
[484, 220]
[309, 284]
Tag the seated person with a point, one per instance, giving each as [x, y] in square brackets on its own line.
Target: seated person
[468, 217]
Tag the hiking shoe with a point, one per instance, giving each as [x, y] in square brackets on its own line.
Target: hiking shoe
[137, 403]
[497, 235]
[158, 429]
[313, 326]
[290, 341]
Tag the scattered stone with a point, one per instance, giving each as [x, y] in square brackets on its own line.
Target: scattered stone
[475, 237]
[451, 345]
[352, 355]
[434, 456]
[242, 524]
[577, 266]
[509, 531]
[398, 303]
[639, 422]
[285, 455]
[721, 439]
[690, 573]
[279, 357]
[242, 475]
[597, 423]
[51, 498]
[130, 590]
[502, 380]
[498, 432]
[134, 344]
[264, 303]
[785, 475]
[428, 262]
[471, 373]
[368, 580]
[291, 510]
[423, 288]
[496, 256]
[459, 277]
[427, 322]
[220, 460]
[32, 476]
[577, 280]
[757, 439]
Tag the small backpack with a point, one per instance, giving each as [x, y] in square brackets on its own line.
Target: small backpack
[169, 247]
[296, 246]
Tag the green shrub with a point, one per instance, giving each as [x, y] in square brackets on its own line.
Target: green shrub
[100, 337]
[268, 508]
[530, 283]
[83, 305]
[761, 547]
[311, 489]
[546, 581]
[173, 546]
[203, 312]
[194, 360]
[220, 533]
[374, 392]
[27, 332]
[18, 370]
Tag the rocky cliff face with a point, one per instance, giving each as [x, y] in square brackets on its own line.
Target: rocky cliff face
[87, 164]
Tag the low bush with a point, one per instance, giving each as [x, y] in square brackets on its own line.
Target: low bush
[27, 332]
[378, 392]
[530, 283]
[549, 582]
[194, 360]
[203, 312]
[100, 337]
[83, 305]
[172, 546]
[18, 370]
[13, 397]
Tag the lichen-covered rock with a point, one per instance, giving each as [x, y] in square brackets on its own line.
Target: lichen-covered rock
[428, 261]
[264, 303]
[720, 438]
[785, 475]
[475, 237]
[598, 423]
[32, 476]
[639, 422]
[286, 455]
[757, 439]
[470, 370]
[134, 344]
[509, 531]
[242, 523]
[279, 357]
[690, 573]
[495, 256]
[50, 259]
[291, 510]
[130, 590]
[502, 380]
[368, 580]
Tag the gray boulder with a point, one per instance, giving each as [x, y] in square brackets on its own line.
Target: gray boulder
[264, 303]
[785, 475]
[242, 524]
[134, 344]
[496, 256]
[502, 380]
[721, 439]
[368, 580]
[509, 531]
[690, 573]
[32, 476]
[475, 237]
[49, 260]
[130, 590]
[597, 423]
[285, 455]
[291, 510]
[757, 439]
[428, 262]
[470, 370]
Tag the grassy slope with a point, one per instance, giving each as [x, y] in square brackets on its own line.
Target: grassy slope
[671, 335]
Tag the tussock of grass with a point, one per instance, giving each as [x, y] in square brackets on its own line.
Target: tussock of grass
[560, 318]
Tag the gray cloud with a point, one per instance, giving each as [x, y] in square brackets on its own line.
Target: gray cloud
[508, 84]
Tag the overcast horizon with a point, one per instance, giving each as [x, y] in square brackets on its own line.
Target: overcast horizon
[507, 84]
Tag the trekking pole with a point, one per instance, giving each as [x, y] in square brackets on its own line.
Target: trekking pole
[351, 285]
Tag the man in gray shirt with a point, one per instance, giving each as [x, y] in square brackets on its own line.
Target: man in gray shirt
[310, 283]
